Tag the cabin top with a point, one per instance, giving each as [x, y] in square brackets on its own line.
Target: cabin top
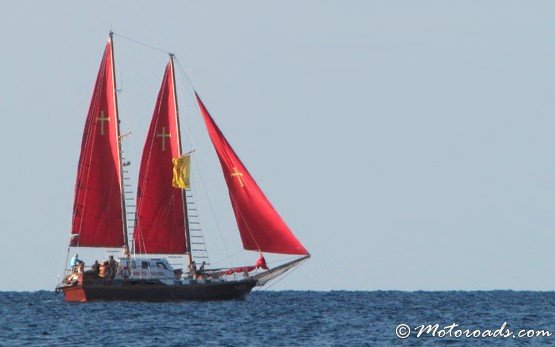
[145, 263]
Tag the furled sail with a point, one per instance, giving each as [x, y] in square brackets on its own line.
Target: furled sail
[260, 226]
[97, 210]
[160, 220]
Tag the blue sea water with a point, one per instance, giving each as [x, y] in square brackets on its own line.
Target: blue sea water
[287, 318]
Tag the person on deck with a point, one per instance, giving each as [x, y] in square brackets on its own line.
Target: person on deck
[112, 265]
[95, 267]
[193, 269]
[200, 272]
[108, 269]
[102, 270]
[74, 261]
[81, 267]
[126, 252]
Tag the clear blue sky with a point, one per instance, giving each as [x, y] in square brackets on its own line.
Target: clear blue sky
[409, 145]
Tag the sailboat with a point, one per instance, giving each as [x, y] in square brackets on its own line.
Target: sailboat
[163, 225]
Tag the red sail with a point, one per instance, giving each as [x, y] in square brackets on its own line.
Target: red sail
[97, 210]
[160, 220]
[260, 226]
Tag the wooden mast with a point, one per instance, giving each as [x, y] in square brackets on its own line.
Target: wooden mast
[122, 185]
[187, 236]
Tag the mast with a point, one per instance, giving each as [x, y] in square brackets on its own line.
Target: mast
[122, 186]
[187, 236]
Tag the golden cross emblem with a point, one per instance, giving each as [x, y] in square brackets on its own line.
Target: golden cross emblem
[102, 120]
[163, 135]
[239, 176]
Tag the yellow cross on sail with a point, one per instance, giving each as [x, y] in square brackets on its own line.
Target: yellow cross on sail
[239, 175]
[102, 119]
[163, 135]
[181, 172]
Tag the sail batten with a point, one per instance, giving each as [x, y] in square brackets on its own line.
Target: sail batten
[97, 211]
[160, 219]
[260, 226]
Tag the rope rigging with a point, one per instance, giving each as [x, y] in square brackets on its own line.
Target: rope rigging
[189, 138]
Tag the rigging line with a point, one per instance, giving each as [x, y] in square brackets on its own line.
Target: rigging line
[211, 208]
[199, 221]
[227, 258]
[64, 271]
[282, 277]
[191, 94]
[119, 146]
[282, 260]
[143, 44]
[192, 88]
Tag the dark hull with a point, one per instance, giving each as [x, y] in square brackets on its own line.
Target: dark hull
[158, 292]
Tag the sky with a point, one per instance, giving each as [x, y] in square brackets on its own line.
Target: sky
[408, 145]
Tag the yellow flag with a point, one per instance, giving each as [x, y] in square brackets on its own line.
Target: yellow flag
[181, 172]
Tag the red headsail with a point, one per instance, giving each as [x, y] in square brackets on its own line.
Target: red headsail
[97, 210]
[260, 226]
[160, 220]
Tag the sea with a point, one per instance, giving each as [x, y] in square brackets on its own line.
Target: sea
[286, 318]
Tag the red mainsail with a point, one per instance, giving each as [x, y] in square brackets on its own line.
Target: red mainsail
[97, 210]
[260, 226]
[160, 220]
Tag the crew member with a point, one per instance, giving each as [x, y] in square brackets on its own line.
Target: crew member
[102, 270]
[95, 267]
[74, 261]
[193, 269]
[125, 252]
[112, 265]
[200, 272]
[108, 269]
